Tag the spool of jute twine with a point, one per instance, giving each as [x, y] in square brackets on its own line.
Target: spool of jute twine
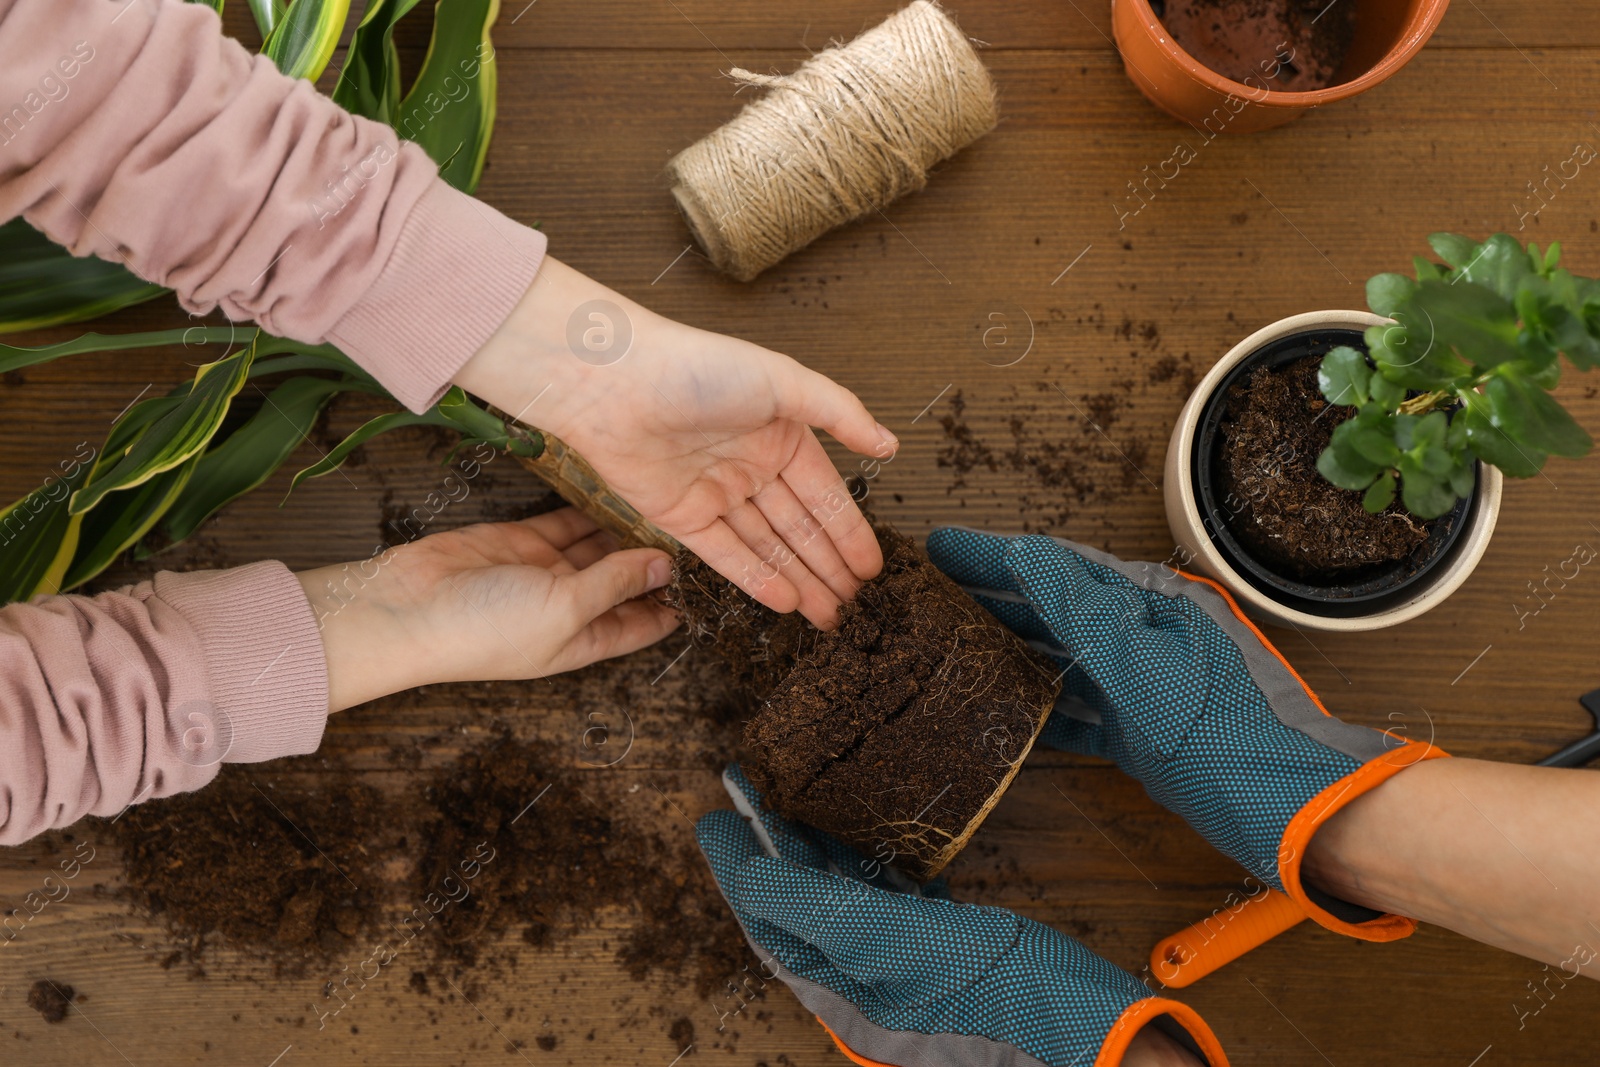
[855, 127]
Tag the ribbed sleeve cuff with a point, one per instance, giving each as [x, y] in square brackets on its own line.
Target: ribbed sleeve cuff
[456, 272]
[263, 652]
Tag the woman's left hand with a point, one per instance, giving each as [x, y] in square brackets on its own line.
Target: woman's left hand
[494, 601]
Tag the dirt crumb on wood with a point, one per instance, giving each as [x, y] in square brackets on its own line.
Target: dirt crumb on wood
[51, 999]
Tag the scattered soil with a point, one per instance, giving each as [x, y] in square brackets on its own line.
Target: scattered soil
[271, 867]
[511, 836]
[1305, 40]
[1065, 454]
[562, 850]
[1278, 506]
[50, 999]
[896, 731]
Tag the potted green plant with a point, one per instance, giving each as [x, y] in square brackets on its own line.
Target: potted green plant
[1342, 470]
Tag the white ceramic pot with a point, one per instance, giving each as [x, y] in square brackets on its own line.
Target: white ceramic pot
[1201, 553]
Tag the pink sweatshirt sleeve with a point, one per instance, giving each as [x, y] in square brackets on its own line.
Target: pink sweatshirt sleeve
[110, 700]
[135, 131]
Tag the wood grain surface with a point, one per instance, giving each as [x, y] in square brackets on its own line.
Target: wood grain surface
[595, 96]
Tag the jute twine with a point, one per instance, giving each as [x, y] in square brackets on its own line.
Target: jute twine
[857, 126]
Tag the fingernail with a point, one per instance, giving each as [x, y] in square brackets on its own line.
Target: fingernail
[886, 437]
[660, 572]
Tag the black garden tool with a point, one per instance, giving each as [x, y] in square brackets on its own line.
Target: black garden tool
[1582, 751]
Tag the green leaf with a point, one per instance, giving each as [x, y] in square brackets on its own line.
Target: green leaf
[1476, 321]
[1411, 356]
[369, 85]
[1343, 376]
[42, 284]
[1345, 470]
[1371, 439]
[1463, 475]
[1404, 428]
[173, 437]
[336, 456]
[1380, 494]
[1499, 265]
[303, 42]
[1429, 431]
[1532, 416]
[14, 358]
[1554, 316]
[1424, 496]
[1386, 292]
[38, 536]
[1386, 393]
[267, 13]
[1425, 270]
[1490, 444]
[451, 107]
[120, 519]
[1453, 248]
[251, 453]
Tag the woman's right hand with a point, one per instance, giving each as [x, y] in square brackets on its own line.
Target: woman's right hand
[708, 436]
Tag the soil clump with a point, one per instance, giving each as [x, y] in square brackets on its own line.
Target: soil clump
[50, 999]
[896, 731]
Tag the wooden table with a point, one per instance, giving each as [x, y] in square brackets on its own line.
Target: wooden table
[594, 98]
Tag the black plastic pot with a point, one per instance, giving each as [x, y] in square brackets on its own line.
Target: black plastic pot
[1352, 593]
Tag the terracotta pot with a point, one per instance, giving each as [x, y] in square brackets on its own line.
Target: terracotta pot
[1388, 34]
[1205, 546]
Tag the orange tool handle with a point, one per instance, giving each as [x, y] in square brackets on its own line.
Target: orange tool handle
[1222, 937]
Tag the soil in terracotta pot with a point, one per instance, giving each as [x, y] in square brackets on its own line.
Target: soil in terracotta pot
[1291, 46]
[1277, 504]
[898, 730]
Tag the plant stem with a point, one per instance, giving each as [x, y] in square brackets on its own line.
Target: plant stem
[570, 475]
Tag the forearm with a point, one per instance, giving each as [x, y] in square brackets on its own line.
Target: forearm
[138, 133]
[111, 700]
[1497, 852]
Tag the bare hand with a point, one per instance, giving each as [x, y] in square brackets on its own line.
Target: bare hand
[708, 436]
[493, 601]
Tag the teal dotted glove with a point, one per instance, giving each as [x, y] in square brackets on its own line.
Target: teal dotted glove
[906, 979]
[1166, 677]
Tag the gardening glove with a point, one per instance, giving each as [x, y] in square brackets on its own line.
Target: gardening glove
[1168, 679]
[907, 979]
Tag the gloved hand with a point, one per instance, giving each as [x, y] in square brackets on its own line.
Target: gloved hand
[1167, 678]
[901, 978]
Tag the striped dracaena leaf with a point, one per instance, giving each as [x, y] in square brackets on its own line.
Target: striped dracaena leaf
[42, 284]
[369, 84]
[267, 13]
[251, 453]
[451, 107]
[174, 436]
[117, 522]
[303, 41]
[336, 456]
[454, 411]
[15, 358]
[38, 536]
